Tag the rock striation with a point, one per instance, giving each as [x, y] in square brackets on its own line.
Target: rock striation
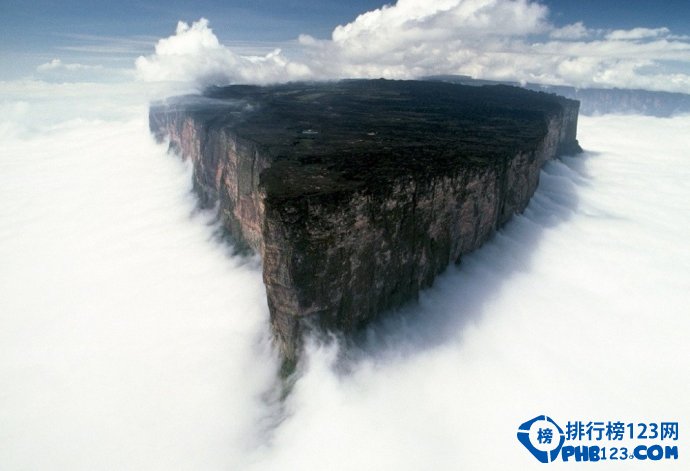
[358, 193]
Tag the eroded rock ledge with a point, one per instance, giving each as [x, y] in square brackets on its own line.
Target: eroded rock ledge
[357, 194]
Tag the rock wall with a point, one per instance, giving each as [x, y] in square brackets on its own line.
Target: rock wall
[226, 171]
[337, 259]
[353, 258]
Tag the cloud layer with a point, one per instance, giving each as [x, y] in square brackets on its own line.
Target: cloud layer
[125, 324]
[194, 54]
[492, 39]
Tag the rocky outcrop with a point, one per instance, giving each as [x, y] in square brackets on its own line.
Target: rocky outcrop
[357, 194]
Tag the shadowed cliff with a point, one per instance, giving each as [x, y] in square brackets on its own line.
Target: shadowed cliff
[358, 193]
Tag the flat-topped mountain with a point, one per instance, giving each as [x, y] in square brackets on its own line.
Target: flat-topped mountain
[598, 101]
[358, 193]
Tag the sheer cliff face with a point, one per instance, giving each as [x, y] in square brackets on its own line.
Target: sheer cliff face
[226, 171]
[339, 247]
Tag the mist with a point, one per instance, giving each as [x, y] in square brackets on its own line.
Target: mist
[132, 338]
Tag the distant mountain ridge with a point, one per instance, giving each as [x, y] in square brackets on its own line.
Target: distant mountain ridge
[598, 101]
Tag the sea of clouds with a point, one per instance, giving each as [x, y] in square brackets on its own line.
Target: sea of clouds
[131, 337]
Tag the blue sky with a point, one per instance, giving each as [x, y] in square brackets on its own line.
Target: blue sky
[113, 34]
[628, 14]
[46, 27]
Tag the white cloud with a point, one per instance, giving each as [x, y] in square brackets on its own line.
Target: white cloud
[113, 352]
[57, 64]
[413, 20]
[496, 39]
[413, 38]
[491, 39]
[194, 54]
[572, 31]
[637, 33]
[113, 46]
[65, 72]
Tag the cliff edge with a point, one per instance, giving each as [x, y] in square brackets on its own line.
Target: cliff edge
[358, 193]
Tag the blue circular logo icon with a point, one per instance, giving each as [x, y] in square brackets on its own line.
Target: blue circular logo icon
[542, 437]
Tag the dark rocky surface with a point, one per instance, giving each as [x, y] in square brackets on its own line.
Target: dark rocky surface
[358, 193]
[599, 101]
